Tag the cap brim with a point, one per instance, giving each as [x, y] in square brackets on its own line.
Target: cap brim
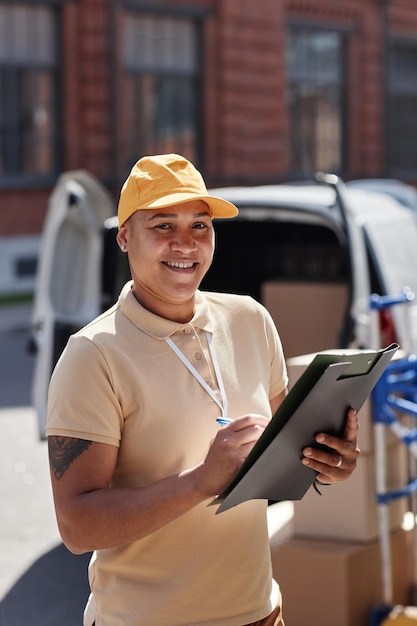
[218, 206]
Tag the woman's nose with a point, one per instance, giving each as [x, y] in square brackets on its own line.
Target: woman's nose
[183, 241]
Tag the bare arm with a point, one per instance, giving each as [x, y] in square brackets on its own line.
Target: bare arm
[275, 402]
[93, 515]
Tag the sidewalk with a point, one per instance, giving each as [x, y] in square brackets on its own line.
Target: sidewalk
[28, 527]
[40, 581]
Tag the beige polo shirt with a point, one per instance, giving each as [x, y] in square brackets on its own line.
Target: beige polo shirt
[120, 383]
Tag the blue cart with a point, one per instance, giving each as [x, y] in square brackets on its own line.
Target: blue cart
[394, 406]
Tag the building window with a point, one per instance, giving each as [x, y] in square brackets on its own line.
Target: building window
[160, 110]
[27, 82]
[316, 81]
[402, 107]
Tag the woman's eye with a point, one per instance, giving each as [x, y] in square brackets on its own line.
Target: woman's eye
[165, 226]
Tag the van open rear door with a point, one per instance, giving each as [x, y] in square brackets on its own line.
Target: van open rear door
[68, 293]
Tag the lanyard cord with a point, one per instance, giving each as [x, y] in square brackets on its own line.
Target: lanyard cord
[223, 403]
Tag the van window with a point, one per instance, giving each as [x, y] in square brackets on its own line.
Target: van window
[249, 253]
[298, 271]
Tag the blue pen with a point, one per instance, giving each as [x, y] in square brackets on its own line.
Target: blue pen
[223, 421]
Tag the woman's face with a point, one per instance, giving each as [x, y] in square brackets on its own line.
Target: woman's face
[170, 251]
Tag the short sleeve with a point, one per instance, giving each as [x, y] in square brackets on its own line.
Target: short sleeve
[82, 402]
[279, 375]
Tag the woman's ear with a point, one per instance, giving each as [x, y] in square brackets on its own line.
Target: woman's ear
[121, 238]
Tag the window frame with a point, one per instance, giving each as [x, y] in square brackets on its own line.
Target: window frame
[395, 170]
[196, 15]
[296, 171]
[33, 180]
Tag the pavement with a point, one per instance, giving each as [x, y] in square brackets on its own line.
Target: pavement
[41, 582]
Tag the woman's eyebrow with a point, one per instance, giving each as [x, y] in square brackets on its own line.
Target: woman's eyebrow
[173, 215]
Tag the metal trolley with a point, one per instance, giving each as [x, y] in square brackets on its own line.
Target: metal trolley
[394, 406]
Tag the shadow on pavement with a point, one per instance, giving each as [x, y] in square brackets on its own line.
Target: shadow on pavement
[53, 591]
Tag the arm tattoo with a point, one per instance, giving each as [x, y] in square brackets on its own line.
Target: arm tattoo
[63, 451]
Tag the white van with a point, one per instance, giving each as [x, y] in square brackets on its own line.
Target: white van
[313, 253]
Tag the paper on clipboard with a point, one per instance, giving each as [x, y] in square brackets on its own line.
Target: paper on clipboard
[318, 402]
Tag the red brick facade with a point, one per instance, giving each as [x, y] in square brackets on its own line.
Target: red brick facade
[246, 129]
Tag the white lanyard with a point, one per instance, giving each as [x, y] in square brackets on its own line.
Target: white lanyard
[223, 403]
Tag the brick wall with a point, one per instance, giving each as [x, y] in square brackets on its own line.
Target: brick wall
[248, 111]
[245, 117]
[22, 212]
[87, 86]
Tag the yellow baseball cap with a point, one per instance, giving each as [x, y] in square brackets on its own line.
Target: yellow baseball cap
[165, 180]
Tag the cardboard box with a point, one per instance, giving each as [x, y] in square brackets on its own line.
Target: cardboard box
[349, 511]
[332, 583]
[308, 316]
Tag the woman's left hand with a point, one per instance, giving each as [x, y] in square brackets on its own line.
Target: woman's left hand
[338, 465]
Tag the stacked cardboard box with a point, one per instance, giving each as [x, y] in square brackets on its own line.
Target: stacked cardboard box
[338, 583]
[330, 568]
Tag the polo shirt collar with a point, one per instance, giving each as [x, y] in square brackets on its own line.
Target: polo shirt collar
[159, 327]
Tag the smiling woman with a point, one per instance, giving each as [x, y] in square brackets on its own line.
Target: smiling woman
[141, 388]
[165, 226]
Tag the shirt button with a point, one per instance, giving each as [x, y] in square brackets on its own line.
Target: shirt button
[187, 330]
[198, 356]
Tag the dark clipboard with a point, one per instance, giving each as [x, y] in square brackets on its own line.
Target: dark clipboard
[318, 402]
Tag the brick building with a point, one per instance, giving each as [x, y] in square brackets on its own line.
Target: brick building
[253, 91]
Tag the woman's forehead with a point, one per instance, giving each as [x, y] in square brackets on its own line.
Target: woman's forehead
[194, 209]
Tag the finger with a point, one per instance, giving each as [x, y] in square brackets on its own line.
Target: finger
[235, 432]
[248, 435]
[350, 435]
[326, 473]
[320, 460]
[332, 467]
[352, 427]
[240, 433]
[345, 447]
[247, 421]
